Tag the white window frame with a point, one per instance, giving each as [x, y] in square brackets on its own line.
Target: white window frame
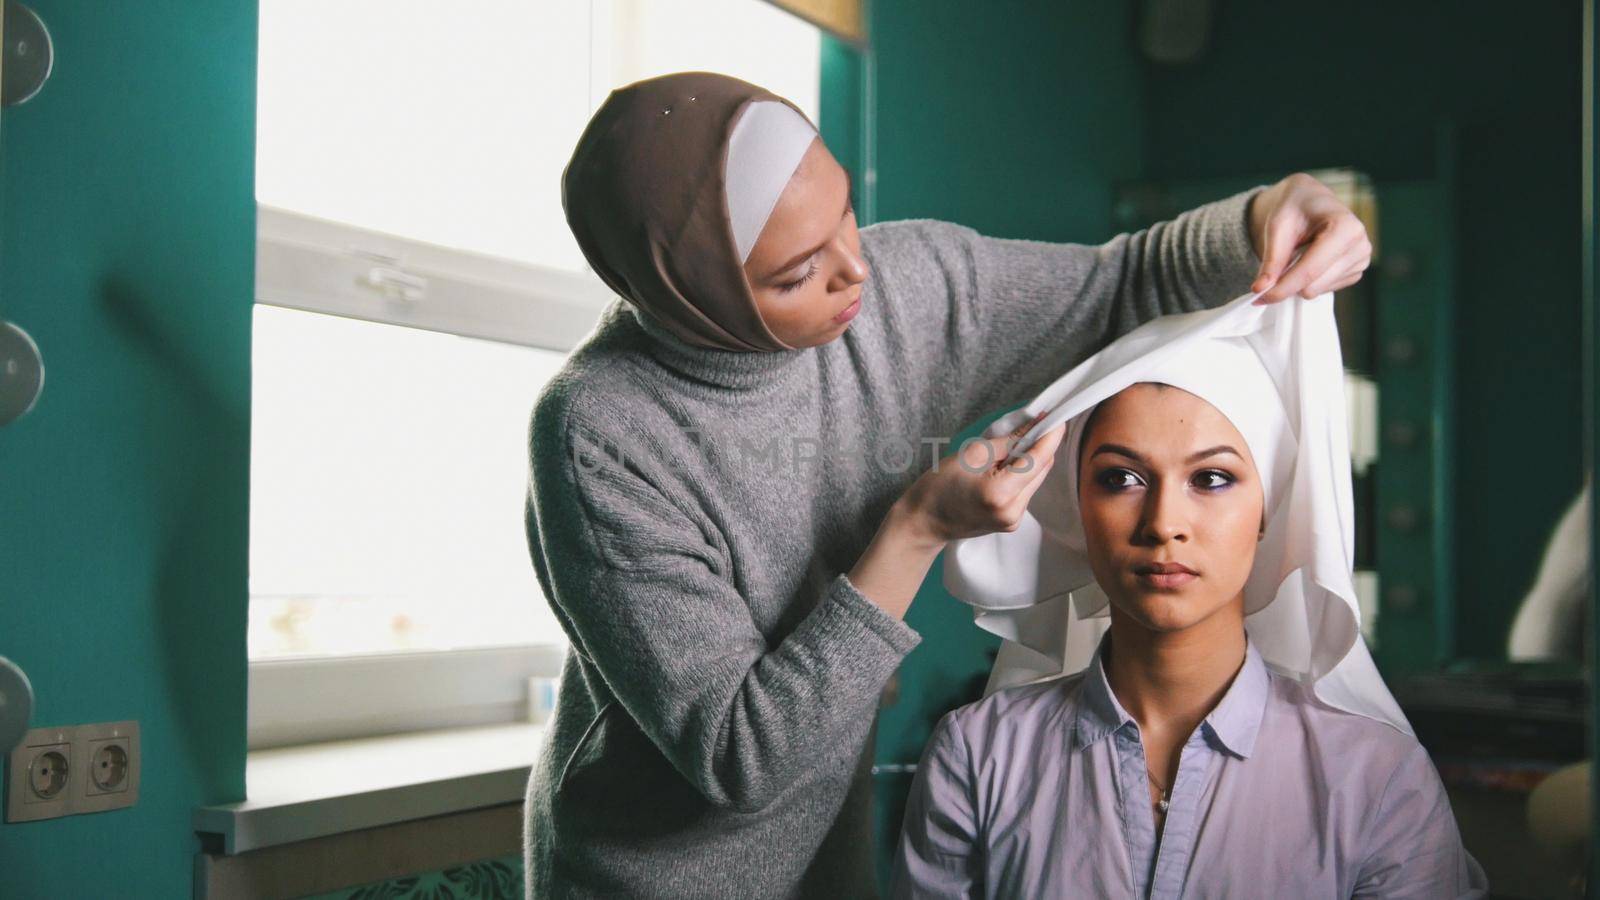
[313, 264]
[303, 262]
[331, 698]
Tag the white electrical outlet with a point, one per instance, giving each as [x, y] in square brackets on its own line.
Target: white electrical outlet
[40, 782]
[108, 767]
[47, 773]
[72, 770]
[108, 760]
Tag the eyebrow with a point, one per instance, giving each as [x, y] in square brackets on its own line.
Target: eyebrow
[849, 203]
[1193, 457]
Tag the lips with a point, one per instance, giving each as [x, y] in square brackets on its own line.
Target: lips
[1166, 568]
[849, 312]
[1165, 574]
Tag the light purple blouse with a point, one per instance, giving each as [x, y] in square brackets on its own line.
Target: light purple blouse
[1041, 791]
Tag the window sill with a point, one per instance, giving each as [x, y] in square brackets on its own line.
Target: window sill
[316, 790]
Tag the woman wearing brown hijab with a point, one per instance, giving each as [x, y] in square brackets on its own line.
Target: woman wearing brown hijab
[733, 493]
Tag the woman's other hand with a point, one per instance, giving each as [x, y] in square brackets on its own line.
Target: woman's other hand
[973, 492]
[970, 493]
[1300, 213]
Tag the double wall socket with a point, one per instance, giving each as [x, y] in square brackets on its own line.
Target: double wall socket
[71, 770]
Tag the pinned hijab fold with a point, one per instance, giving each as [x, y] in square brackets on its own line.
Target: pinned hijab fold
[1275, 372]
[647, 195]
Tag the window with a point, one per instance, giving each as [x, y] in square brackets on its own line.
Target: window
[451, 124]
[417, 285]
[407, 448]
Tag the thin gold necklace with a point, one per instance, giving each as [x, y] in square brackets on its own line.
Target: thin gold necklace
[1163, 802]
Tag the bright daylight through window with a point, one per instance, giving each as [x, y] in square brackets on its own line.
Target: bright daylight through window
[388, 453]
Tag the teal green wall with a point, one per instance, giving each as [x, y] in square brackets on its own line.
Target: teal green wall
[1370, 84]
[1014, 118]
[126, 248]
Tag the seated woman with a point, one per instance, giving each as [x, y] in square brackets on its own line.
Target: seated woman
[1228, 734]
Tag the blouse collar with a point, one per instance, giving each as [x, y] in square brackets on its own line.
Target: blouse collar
[1234, 722]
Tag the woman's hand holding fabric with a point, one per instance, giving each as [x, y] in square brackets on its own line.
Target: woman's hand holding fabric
[1301, 214]
[972, 494]
[965, 495]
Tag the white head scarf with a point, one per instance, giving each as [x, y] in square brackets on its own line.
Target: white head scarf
[765, 149]
[1276, 373]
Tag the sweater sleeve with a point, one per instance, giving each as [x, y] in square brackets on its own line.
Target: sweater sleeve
[643, 588]
[1017, 314]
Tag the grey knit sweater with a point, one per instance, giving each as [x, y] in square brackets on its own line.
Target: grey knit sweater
[691, 516]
